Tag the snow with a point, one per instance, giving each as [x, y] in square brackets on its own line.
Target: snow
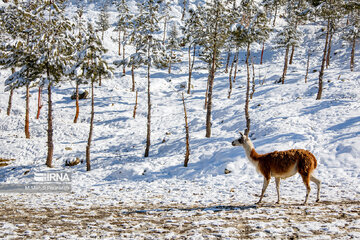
[131, 197]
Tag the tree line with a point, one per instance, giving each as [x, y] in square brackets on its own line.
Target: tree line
[44, 47]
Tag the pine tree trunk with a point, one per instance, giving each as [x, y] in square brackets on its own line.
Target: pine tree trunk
[253, 78]
[292, 54]
[77, 102]
[189, 80]
[293, 46]
[171, 53]
[133, 78]
[187, 153]
[119, 43]
[211, 83]
[100, 80]
[230, 76]
[10, 96]
[230, 86]
[285, 64]
[331, 33]
[39, 103]
[164, 37]
[88, 146]
[136, 102]
[307, 67]
[236, 64]
[232, 67]
[124, 37]
[321, 74]
[50, 142]
[210, 90]
[10, 101]
[275, 15]
[227, 61]
[262, 53]
[148, 129]
[148, 126]
[27, 111]
[193, 59]
[352, 59]
[184, 10]
[209, 103]
[191, 66]
[207, 91]
[247, 116]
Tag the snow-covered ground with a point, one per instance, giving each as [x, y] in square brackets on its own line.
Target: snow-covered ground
[128, 196]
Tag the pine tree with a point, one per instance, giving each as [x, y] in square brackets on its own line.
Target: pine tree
[4, 37]
[187, 135]
[336, 10]
[123, 25]
[165, 10]
[19, 54]
[191, 30]
[135, 38]
[302, 12]
[172, 46]
[273, 5]
[90, 64]
[103, 20]
[148, 50]
[288, 37]
[185, 3]
[216, 31]
[232, 49]
[252, 26]
[42, 52]
[328, 11]
[352, 31]
[95, 67]
[80, 28]
[53, 54]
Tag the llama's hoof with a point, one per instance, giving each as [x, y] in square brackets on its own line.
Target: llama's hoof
[278, 202]
[317, 200]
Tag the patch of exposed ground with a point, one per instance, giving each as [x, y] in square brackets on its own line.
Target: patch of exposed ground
[146, 221]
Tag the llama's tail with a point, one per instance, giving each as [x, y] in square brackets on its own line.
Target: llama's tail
[307, 162]
[315, 161]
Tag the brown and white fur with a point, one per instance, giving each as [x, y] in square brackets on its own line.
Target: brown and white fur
[281, 164]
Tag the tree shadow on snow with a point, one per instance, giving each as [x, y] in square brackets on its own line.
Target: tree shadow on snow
[347, 124]
[322, 105]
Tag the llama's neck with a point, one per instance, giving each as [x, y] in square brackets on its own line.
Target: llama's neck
[249, 148]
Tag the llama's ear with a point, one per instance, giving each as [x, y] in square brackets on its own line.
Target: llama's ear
[241, 134]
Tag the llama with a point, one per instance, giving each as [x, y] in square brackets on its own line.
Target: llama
[281, 164]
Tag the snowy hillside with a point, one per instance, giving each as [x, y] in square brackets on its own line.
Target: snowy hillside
[156, 197]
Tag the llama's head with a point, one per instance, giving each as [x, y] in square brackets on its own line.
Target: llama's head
[241, 141]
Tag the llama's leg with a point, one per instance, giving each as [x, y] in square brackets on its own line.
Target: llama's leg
[317, 182]
[306, 179]
[277, 181]
[265, 184]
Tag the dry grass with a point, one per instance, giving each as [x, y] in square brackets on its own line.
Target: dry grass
[160, 222]
[5, 162]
